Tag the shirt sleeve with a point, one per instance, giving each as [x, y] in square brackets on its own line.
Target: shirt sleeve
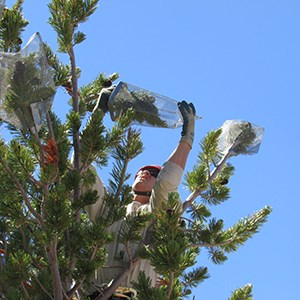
[167, 181]
[96, 209]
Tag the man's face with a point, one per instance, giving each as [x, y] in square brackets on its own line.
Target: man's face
[144, 181]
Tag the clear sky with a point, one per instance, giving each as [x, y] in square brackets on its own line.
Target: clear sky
[234, 59]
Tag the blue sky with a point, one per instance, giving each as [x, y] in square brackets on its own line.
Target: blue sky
[234, 59]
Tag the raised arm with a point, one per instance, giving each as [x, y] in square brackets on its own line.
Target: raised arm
[181, 152]
[170, 175]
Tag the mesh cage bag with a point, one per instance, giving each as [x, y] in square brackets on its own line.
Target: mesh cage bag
[151, 109]
[27, 88]
[240, 137]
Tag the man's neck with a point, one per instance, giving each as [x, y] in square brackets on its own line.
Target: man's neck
[141, 199]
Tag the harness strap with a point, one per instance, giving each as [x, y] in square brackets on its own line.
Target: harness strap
[142, 193]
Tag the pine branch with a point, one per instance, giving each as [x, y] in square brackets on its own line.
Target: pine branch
[54, 266]
[237, 235]
[197, 192]
[92, 140]
[61, 73]
[90, 92]
[76, 138]
[42, 287]
[244, 293]
[65, 23]
[50, 126]
[23, 192]
[129, 149]
[146, 291]
[245, 229]
[22, 158]
[12, 24]
[25, 291]
[191, 198]
[170, 284]
[194, 277]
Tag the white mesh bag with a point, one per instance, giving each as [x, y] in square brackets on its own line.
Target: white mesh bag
[151, 109]
[240, 137]
[26, 86]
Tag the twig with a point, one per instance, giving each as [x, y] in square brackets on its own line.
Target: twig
[170, 285]
[73, 290]
[23, 238]
[66, 297]
[25, 291]
[191, 198]
[81, 281]
[49, 123]
[127, 247]
[30, 177]
[212, 245]
[186, 219]
[23, 192]
[42, 156]
[42, 287]
[91, 98]
[76, 138]
[53, 260]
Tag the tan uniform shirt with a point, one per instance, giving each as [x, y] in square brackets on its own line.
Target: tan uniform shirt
[167, 181]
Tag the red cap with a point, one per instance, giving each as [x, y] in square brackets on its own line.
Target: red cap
[156, 169]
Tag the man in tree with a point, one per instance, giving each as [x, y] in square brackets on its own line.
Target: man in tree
[151, 187]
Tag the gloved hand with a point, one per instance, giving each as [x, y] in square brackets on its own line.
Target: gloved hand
[188, 113]
[103, 98]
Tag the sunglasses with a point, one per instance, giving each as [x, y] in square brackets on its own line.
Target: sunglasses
[153, 172]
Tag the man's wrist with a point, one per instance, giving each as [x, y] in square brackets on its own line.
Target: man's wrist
[187, 140]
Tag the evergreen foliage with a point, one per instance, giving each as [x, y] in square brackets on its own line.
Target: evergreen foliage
[12, 24]
[48, 245]
[243, 293]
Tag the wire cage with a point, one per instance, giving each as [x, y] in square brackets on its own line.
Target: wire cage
[27, 88]
[240, 137]
[151, 109]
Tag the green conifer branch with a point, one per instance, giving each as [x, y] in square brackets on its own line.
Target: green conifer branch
[219, 241]
[12, 24]
[90, 92]
[22, 190]
[193, 278]
[92, 140]
[65, 18]
[41, 286]
[61, 73]
[129, 148]
[201, 177]
[245, 229]
[170, 253]
[146, 291]
[243, 293]
[209, 146]
[20, 159]
[60, 134]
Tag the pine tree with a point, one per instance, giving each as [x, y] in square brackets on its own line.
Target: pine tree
[48, 245]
